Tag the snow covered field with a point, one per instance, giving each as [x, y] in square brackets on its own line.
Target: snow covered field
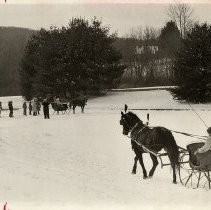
[83, 161]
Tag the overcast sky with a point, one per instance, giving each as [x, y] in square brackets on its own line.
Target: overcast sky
[120, 17]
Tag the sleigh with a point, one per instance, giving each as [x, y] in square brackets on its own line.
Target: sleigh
[190, 174]
[62, 107]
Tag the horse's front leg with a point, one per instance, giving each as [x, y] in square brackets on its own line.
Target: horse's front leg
[135, 164]
[155, 163]
[140, 158]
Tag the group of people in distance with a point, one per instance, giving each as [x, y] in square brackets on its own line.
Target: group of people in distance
[35, 106]
[10, 106]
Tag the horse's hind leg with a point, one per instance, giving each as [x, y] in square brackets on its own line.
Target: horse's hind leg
[173, 165]
[140, 158]
[135, 165]
[174, 174]
[155, 163]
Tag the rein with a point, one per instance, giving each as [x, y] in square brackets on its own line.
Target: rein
[150, 151]
[183, 133]
[190, 135]
[145, 126]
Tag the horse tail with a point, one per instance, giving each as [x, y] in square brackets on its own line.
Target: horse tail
[173, 150]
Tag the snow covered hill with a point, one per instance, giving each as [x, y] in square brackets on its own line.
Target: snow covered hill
[83, 161]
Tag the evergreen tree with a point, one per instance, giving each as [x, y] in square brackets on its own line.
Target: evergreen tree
[193, 64]
[169, 39]
[79, 57]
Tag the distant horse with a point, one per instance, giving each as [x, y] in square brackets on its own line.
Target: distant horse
[59, 107]
[154, 139]
[78, 102]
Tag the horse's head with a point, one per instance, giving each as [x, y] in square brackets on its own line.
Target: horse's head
[128, 121]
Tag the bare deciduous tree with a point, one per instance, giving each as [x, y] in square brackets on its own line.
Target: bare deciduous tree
[143, 34]
[150, 33]
[181, 14]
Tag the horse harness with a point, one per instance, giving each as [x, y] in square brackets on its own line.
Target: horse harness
[140, 144]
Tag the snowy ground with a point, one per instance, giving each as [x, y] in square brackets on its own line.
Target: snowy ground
[83, 161]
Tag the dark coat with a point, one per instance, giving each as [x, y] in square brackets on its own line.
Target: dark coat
[45, 105]
[10, 106]
[30, 106]
[24, 105]
[204, 160]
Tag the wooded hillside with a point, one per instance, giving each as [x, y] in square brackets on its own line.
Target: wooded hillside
[12, 43]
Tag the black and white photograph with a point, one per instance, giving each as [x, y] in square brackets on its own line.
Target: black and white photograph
[105, 105]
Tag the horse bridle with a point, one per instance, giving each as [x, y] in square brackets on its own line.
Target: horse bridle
[127, 124]
[123, 121]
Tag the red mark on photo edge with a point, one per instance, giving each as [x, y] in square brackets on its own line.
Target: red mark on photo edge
[5, 206]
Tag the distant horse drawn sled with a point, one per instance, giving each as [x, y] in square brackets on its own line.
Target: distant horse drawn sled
[65, 108]
[159, 142]
[60, 107]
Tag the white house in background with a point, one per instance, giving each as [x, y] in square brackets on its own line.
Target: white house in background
[151, 48]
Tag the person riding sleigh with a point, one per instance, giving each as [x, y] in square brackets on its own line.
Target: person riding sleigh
[203, 154]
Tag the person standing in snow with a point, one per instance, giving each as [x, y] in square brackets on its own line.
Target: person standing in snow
[30, 108]
[58, 103]
[34, 107]
[46, 109]
[38, 107]
[203, 154]
[24, 108]
[10, 105]
[0, 108]
[57, 100]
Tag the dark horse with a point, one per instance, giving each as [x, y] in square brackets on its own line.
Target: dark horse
[59, 107]
[155, 139]
[78, 102]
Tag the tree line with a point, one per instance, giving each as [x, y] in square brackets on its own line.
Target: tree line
[84, 57]
[183, 57]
